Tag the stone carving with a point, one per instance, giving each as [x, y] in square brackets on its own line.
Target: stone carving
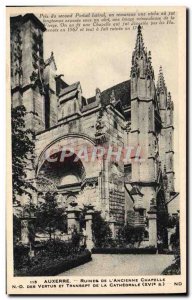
[34, 77]
[36, 80]
[128, 127]
[165, 178]
[100, 134]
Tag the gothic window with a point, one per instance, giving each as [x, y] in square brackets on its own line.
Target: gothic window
[133, 75]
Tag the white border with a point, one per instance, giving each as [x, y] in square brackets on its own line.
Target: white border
[187, 3]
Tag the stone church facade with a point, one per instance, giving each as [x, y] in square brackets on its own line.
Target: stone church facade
[136, 112]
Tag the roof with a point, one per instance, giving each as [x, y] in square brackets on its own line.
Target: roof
[69, 88]
[68, 96]
[122, 92]
[28, 17]
[89, 106]
[60, 84]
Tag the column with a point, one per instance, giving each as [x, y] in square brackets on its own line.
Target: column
[152, 216]
[170, 232]
[112, 223]
[88, 220]
[73, 217]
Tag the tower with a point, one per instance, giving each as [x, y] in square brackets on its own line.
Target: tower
[166, 136]
[27, 82]
[51, 106]
[27, 68]
[143, 133]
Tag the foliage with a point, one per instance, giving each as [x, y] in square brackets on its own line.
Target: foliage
[57, 247]
[175, 268]
[75, 239]
[16, 229]
[22, 152]
[102, 234]
[162, 224]
[49, 217]
[21, 257]
[174, 240]
[130, 235]
[44, 266]
[125, 250]
[29, 209]
[52, 256]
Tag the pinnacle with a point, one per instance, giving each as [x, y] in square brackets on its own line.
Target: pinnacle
[169, 96]
[139, 46]
[161, 82]
[141, 58]
[169, 101]
[139, 29]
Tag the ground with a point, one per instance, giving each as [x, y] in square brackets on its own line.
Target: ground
[122, 265]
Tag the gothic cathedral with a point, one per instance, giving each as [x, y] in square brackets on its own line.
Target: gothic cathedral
[136, 112]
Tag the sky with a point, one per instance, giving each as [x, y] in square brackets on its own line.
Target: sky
[103, 59]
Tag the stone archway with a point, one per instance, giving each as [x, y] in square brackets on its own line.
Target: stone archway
[62, 172]
[70, 174]
[71, 140]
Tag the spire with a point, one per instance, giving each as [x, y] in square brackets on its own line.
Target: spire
[161, 86]
[141, 59]
[139, 46]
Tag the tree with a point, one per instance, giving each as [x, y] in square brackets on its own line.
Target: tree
[131, 235]
[49, 216]
[22, 152]
[16, 229]
[175, 268]
[175, 242]
[101, 231]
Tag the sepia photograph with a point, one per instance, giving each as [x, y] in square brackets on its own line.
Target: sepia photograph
[96, 168]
